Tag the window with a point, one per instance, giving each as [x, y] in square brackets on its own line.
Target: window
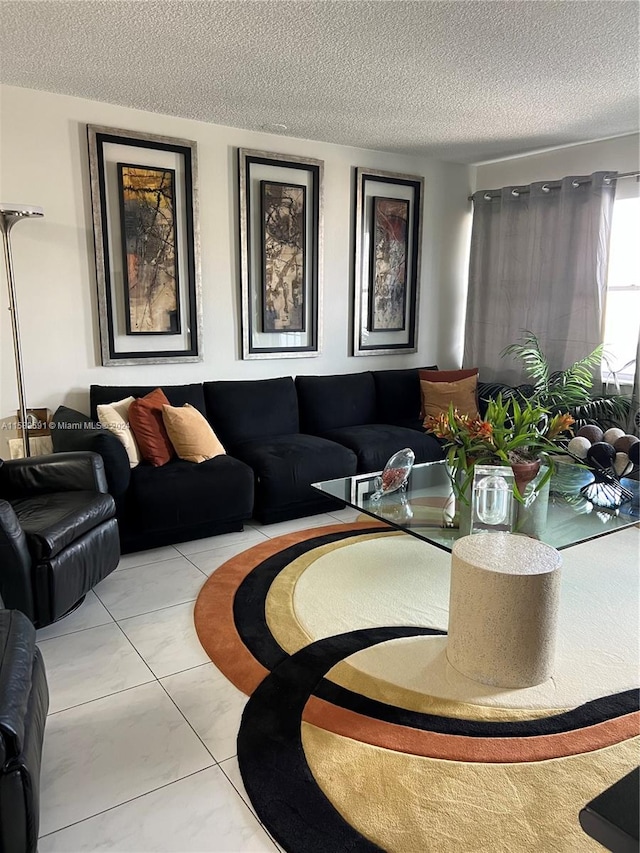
[622, 318]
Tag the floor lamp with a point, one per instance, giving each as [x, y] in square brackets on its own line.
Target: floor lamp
[9, 215]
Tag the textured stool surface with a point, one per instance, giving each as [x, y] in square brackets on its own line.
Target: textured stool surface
[507, 553]
[503, 609]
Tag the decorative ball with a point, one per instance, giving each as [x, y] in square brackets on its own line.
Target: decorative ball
[591, 432]
[621, 463]
[634, 453]
[579, 446]
[612, 435]
[623, 444]
[601, 453]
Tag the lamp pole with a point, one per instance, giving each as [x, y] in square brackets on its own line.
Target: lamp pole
[9, 215]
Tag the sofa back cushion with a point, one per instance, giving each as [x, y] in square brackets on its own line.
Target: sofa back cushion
[332, 402]
[177, 395]
[398, 394]
[254, 408]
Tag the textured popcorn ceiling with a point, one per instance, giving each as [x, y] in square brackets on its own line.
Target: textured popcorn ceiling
[462, 81]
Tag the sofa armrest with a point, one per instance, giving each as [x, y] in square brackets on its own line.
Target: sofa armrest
[17, 650]
[71, 431]
[57, 472]
[15, 559]
[24, 701]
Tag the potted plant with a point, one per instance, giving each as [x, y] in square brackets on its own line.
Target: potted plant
[569, 390]
[511, 433]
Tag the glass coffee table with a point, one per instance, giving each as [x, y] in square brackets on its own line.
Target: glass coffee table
[427, 508]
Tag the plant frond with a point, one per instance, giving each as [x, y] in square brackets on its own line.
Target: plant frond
[533, 359]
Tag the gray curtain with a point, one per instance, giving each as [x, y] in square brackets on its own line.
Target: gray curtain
[538, 262]
[633, 427]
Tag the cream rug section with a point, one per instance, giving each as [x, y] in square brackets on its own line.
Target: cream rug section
[411, 804]
[399, 580]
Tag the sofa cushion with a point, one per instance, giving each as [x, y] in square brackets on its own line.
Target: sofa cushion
[331, 402]
[115, 418]
[251, 409]
[177, 395]
[286, 465]
[181, 494]
[55, 520]
[374, 444]
[190, 433]
[71, 430]
[398, 395]
[443, 388]
[145, 417]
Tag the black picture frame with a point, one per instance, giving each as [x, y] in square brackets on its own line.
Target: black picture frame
[258, 170]
[376, 330]
[110, 148]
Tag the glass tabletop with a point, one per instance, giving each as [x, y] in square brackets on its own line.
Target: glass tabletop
[427, 509]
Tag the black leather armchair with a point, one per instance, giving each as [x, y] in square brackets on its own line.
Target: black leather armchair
[24, 701]
[58, 533]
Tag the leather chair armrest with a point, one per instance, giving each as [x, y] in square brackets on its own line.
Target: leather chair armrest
[57, 472]
[15, 560]
[17, 650]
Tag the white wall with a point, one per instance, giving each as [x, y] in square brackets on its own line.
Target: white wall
[44, 162]
[621, 154]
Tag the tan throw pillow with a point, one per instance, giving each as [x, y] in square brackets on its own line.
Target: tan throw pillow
[437, 396]
[115, 418]
[190, 433]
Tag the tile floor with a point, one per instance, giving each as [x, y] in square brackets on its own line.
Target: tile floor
[140, 743]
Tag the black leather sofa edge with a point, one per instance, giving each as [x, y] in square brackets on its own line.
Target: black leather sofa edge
[24, 701]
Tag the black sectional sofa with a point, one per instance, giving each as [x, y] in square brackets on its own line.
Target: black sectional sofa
[280, 435]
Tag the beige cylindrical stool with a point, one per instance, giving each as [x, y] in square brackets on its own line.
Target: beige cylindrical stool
[503, 608]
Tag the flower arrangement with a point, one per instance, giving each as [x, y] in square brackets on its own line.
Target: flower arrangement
[511, 432]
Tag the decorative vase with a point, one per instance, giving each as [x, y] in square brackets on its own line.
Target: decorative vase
[396, 473]
[532, 516]
[525, 472]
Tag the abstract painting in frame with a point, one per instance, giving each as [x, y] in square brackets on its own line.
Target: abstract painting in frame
[280, 201]
[147, 246]
[386, 262]
[388, 265]
[150, 253]
[283, 256]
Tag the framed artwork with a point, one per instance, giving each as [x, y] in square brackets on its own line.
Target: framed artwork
[283, 243]
[280, 218]
[388, 238]
[149, 250]
[388, 264]
[145, 224]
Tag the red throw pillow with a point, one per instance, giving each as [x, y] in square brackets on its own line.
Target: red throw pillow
[145, 419]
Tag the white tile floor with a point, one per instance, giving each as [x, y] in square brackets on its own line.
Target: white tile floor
[140, 741]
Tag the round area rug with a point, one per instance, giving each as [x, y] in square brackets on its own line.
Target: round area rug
[358, 734]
